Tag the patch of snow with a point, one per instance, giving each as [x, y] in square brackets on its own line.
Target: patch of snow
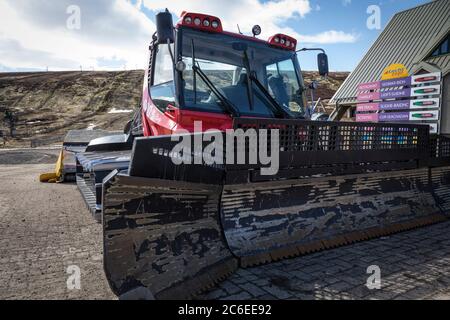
[114, 110]
[91, 126]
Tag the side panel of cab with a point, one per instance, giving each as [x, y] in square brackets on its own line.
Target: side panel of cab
[158, 93]
[161, 112]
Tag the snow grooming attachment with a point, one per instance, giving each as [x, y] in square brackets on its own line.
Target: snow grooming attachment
[178, 229]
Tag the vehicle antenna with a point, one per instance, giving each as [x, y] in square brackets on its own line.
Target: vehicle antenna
[239, 29]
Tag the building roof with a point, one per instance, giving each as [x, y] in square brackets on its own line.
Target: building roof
[409, 38]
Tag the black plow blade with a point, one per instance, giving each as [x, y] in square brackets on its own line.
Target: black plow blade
[270, 221]
[164, 236]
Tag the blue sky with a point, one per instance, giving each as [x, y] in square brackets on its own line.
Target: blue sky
[333, 14]
[114, 34]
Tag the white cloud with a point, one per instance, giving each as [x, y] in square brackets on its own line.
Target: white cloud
[329, 37]
[116, 33]
[272, 16]
[346, 3]
[38, 37]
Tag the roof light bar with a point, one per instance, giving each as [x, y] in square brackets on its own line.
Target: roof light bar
[200, 21]
[283, 41]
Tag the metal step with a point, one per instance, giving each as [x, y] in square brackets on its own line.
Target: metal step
[89, 197]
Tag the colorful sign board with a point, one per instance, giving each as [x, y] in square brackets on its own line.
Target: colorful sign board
[402, 82]
[382, 90]
[394, 71]
[401, 99]
[398, 105]
[398, 116]
[402, 93]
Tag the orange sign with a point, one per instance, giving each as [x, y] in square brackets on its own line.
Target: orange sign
[395, 71]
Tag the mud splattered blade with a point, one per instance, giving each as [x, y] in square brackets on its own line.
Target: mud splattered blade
[268, 221]
[164, 236]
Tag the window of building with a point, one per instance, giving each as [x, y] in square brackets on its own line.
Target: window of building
[443, 48]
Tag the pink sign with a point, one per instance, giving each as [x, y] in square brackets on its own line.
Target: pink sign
[367, 117]
[364, 107]
[370, 96]
[369, 86]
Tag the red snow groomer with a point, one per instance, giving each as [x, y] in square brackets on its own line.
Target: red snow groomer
[182, 209]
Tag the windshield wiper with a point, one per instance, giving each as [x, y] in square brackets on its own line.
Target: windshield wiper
[249, 80]
[269, 97]
[252, 79]
[227, 105]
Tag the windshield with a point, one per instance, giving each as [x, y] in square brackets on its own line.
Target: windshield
[222, 59]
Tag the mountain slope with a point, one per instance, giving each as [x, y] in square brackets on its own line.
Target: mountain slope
[44, 105]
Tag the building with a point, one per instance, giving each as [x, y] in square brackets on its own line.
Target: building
[417, 38]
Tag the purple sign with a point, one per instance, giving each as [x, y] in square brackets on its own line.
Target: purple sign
[371, 86]
[402, 82]
[395, 105]
[404, 93]
[394, 116]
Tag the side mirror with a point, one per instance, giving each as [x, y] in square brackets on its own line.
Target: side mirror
[164, 27]
[322, 61]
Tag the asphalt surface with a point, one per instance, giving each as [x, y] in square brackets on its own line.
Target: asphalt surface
[45, 230]
[28, 156]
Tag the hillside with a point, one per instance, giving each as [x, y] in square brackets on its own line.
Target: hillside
[327, 87]
[43, 106]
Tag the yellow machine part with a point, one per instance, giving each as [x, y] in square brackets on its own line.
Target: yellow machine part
[54, 176]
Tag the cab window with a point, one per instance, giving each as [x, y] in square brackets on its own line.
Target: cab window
[284, 85]
[162, 91]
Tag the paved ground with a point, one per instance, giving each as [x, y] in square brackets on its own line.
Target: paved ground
[413, 265]
[45, 228]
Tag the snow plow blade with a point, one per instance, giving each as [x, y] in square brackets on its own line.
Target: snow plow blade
[176, 230]
[164, 236]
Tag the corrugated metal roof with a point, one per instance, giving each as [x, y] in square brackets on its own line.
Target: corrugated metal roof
[442, 62]
[409, 38]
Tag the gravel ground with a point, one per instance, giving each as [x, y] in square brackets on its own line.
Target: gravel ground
[46, 228]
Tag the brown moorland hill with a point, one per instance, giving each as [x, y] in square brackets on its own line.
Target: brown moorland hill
[45, 105]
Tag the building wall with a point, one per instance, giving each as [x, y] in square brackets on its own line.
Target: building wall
[445, 106]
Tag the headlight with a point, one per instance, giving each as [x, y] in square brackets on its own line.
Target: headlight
[215, 24]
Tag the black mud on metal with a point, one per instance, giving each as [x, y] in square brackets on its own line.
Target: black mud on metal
[163, 235]
[177, 230]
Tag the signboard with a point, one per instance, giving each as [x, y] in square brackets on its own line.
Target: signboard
[386, 89]
[398, 105]
[395, 71]
[411, 98]
[398, 116]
